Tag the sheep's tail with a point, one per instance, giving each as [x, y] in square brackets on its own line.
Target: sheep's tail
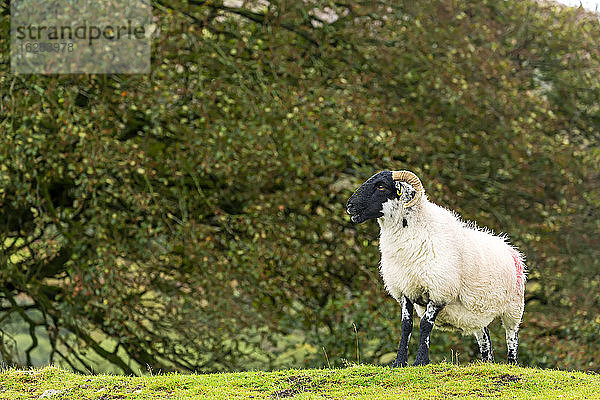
[521, 269]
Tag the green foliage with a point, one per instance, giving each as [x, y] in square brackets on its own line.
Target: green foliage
[194, 218]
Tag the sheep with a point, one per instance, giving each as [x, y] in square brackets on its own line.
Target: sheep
[455, 274]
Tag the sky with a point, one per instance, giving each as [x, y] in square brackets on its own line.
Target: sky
[589, 4]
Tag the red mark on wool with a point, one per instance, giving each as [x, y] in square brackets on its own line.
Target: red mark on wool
[520, 269]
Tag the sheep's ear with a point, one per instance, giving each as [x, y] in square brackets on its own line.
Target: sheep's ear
[399, 188]
[414, 182]
[405, 191]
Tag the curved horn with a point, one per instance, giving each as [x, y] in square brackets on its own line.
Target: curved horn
[412, 180]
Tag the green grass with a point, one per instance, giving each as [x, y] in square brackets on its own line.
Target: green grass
[438, 381]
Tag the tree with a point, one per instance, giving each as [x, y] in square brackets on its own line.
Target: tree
[193, 219]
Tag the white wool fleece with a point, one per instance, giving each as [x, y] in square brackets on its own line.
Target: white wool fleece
[429, 253]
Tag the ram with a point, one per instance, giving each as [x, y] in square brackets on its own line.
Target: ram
[456, 275]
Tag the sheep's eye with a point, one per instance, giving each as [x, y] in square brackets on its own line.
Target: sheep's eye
[380, 187]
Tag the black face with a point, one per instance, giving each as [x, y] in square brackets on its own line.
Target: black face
[367, 201]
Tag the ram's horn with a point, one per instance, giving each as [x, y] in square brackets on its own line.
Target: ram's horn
[412, 180]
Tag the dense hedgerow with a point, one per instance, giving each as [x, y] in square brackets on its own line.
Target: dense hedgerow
[193, 218]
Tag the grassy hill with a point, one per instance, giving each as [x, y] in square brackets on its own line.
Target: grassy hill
[193, 218]
[438, 381]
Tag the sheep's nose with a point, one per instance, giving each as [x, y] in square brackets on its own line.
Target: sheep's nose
[350, 208]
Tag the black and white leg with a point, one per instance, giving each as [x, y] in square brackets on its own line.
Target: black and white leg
[407, 325]
[485, 344]
[512, 344]
[425, 327]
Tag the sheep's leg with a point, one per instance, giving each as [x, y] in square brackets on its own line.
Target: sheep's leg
[425, 327]
[407, 325]
[512, 344]
[485, 344]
